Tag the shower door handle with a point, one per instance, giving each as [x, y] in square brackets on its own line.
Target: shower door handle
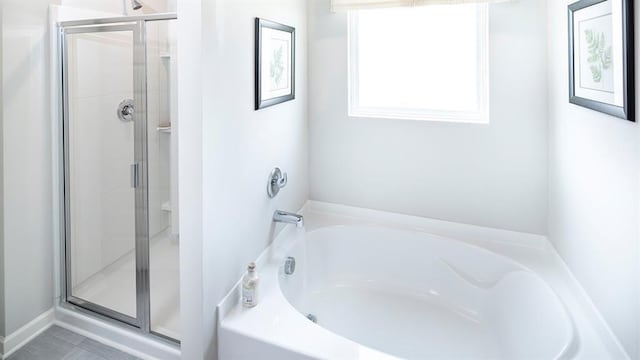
[135, 175]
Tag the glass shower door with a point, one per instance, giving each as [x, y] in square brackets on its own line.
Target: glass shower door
[105, 200]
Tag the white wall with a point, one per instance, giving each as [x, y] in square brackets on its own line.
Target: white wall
[190, 65]
[26, 130]
[491, 175]
[594, 187]
[241, 146]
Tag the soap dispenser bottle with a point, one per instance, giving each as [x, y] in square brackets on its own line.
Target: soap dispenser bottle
[250, 287]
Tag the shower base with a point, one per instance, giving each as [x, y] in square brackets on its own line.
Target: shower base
[114, 286]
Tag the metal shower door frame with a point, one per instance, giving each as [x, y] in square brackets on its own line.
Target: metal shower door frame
[136, 25]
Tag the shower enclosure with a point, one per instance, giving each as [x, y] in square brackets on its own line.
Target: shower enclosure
[120, 236]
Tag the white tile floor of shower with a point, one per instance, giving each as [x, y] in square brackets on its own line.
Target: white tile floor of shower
[114, 286]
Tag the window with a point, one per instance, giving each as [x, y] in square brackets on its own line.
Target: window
[420, 63]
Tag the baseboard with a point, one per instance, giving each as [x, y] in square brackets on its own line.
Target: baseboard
[26, 333]
[122, 339]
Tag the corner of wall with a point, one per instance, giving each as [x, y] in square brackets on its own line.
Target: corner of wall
[594, 192]
[190, 98]
[2, 307]
[26, 170]
[548, 108]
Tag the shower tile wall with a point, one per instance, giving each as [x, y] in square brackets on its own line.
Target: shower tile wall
[102, 200]
[100, 235]
[159, 143]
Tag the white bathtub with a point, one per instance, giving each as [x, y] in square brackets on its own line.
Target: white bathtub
[381, 292]
[419, 296]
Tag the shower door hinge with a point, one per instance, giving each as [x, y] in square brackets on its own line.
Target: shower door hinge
[135, 175]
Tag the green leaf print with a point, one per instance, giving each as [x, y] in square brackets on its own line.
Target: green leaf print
[599, 54]
[277, 66]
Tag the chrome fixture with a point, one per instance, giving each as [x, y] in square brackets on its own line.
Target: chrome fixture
[313, 318]
[288, 218]
[125, 110]
[136, 5]
[290, 265]
[277, 180]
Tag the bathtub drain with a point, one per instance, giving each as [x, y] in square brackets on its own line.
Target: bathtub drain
[312, 318]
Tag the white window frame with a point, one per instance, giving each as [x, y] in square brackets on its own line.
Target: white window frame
[480, 116]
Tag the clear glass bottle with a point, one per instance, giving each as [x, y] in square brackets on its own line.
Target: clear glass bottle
[250, 282]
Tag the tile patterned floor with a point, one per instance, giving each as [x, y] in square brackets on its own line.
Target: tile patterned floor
[57, 343]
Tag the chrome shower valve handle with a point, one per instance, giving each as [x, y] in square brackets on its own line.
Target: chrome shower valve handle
[282, 182]
[125, 110]
[277, 180]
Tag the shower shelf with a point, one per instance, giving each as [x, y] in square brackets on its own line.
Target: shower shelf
[166, 206]
[164, 129]
[165, 55]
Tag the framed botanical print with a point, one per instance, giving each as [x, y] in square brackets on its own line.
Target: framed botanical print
[601, 56]
[275, 63]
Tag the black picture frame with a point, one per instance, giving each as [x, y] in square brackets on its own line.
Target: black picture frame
[263, 100]
[627, 110]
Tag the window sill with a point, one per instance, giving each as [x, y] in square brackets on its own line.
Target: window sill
[450, 117]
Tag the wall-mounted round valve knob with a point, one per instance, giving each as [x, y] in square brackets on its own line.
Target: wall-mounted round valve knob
[125, 110]
[277, 180]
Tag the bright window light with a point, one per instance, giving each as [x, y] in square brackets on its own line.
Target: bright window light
[420, 63]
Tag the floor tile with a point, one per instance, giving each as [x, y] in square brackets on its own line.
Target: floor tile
[82, 354]
[47, 347]
[105, 351]
[57, 343]
[19, 355]
[66, 335]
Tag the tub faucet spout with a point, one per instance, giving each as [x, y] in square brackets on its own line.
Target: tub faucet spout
[288, 218]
